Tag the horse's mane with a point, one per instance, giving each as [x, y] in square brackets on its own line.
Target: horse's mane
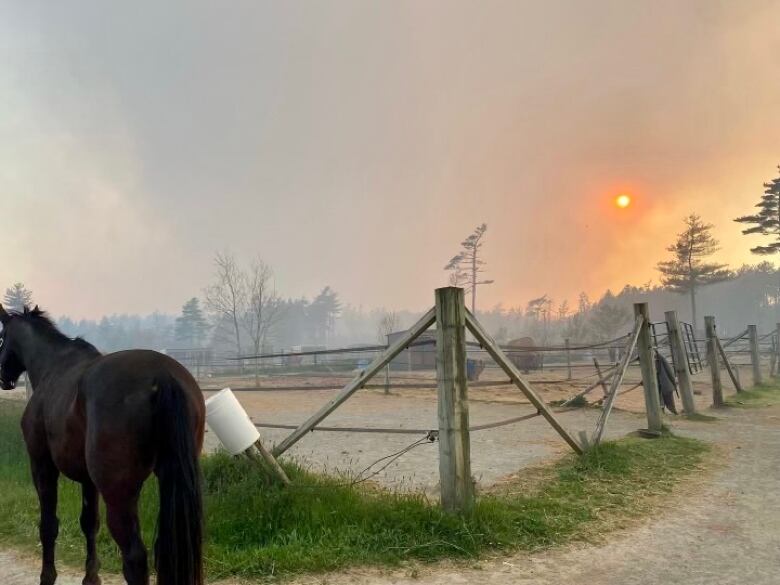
[35, 314]
[41, 319]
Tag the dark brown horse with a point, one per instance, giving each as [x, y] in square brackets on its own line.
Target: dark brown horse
[108, 422]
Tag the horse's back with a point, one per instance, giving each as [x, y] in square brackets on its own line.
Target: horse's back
[120, 393]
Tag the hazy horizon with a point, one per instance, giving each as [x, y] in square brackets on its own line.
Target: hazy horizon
[355, 144]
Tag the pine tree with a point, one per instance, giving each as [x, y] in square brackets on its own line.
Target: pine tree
[17, 297]
[466, 266]
[191, 325]
[323, 311]
[767, 221]
[687, 270]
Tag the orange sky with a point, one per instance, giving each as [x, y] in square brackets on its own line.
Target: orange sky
[355, 144]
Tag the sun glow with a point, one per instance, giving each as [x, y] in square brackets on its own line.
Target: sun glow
[623, 201]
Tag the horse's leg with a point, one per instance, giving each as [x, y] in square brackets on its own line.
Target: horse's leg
[45, 477]
[90, 523]
[122, 519]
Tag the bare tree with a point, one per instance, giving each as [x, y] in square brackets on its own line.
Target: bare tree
[227, 297]
[262, 305]
[388, 323]
[466, 266]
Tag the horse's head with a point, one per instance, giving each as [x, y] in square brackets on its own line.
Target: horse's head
[11, 366]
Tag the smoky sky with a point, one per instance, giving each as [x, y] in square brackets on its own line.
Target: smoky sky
[355, 144]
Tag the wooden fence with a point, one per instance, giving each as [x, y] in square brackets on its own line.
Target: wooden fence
[453, 321]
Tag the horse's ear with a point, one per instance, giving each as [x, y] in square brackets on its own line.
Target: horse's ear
[36, 309]
[4, 316]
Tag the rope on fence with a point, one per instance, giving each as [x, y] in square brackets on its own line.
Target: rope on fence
[398, 431]
[429, 438]
[503, 423]
[389, 431]
[626, 391]
[472, 344]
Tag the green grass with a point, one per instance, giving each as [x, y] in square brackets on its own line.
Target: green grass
[762, 395]
[578, 402]
[257, 529]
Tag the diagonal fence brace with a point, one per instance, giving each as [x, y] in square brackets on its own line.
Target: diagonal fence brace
[358, 381]
[509, 368]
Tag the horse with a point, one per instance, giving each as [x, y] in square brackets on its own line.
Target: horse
[108, 422]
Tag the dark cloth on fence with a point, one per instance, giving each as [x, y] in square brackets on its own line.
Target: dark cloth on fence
[667, 387]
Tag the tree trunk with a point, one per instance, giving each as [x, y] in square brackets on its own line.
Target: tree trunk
[777, 302]
[474, 283]
[693, 307]
[238, 343]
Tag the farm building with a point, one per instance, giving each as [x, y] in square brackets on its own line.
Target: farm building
[420, 356]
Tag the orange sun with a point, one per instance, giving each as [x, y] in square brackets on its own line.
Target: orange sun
[623, 201]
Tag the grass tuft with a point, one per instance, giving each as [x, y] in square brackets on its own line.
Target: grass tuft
[258, 529]
[758, 396]
[577, 402]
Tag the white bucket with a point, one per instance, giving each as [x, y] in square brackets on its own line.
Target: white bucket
[230, 422]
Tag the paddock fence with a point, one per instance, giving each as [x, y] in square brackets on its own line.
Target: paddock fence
[459, 341]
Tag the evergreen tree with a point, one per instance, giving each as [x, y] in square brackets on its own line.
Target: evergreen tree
[466, 266]
[323, 311]
[609, 316]
[191, 325]
[687, 270]
[17, 297]
[767, 221]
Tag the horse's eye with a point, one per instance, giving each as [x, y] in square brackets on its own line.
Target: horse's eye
[2, 341]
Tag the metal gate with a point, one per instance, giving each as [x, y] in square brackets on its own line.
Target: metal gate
[691, 348]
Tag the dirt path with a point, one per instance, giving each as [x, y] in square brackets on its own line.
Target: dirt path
[726, 532]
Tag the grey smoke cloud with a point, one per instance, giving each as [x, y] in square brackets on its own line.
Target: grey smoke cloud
[356, 143]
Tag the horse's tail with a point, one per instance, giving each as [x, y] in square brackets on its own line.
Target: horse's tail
[178, 543]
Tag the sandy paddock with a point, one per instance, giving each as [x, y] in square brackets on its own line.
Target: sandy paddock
[496, 453]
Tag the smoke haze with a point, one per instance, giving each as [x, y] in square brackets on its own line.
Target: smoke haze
[355, 144]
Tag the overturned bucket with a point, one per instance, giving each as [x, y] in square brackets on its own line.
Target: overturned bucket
[230, 422]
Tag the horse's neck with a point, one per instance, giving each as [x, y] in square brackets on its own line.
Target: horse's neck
[44, 357]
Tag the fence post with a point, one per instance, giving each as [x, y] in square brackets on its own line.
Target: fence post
[776, 347]
[601, 378]
[680, 361]
[568, 360]
[712, 359]
[644, 348]
[755, 355]
[457, 488]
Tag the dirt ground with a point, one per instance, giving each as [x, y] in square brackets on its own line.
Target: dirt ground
[723, 529]
[496, 453]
